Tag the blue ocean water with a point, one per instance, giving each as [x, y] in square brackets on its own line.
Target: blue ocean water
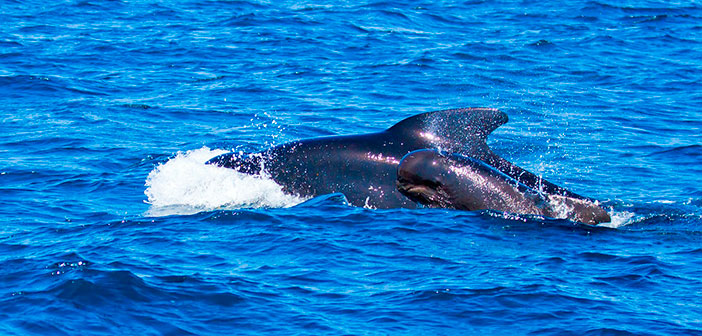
[110, 223]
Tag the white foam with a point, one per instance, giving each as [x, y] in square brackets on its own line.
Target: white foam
[186, 185]
[619, 219]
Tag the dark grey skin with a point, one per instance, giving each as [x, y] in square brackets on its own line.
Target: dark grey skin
[454, 181]
[364, 167]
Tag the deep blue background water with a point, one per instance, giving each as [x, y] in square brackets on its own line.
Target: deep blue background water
[111, 224]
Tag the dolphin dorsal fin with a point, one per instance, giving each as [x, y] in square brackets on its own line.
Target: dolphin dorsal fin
[453, 130]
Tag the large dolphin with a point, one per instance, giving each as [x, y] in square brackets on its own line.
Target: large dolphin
[364, 167]
[454, 181]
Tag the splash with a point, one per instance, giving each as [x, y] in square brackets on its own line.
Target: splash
[566, 209]
[186, 185]
[619, 219]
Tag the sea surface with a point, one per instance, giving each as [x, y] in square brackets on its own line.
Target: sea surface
[111, 223]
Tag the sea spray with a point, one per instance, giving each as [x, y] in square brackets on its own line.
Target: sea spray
[185, 184]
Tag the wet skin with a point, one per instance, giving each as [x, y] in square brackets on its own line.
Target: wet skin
[364, 167]
[454, 181]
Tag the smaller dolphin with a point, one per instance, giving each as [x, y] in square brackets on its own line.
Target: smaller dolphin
[460, 182]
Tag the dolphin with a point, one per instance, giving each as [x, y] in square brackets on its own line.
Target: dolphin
[442, 180]
[364, 167]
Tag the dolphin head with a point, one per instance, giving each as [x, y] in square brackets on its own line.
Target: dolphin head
[245, 163]
[422, 177]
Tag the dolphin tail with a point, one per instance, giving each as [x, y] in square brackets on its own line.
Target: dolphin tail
[580, 210]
